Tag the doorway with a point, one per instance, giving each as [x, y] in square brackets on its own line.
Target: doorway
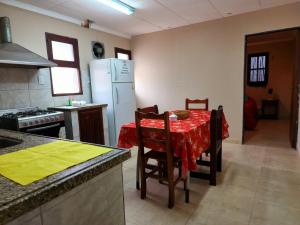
[271, 88]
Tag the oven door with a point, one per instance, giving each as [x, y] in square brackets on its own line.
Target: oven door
[50, 129]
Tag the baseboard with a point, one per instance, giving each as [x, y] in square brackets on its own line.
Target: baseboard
[232, 141]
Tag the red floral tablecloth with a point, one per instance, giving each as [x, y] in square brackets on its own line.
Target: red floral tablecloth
[189, 137]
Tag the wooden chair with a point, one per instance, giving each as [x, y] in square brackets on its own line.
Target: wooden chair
[164, 170]
[215, 149]
[153, 109]
[149, 109]
[196, 101]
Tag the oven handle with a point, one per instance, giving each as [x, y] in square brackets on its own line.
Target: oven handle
[43, 128]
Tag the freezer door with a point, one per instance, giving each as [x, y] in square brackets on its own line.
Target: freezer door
[101, 81]
[124, 105]
[122, 70]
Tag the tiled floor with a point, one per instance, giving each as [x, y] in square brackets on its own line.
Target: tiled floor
[269, 133]
[260, 185]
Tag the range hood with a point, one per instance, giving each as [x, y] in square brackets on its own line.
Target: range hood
[14, 55]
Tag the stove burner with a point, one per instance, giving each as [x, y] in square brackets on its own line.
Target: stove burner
[26, 114]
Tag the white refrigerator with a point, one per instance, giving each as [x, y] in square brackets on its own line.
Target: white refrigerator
[112, 83]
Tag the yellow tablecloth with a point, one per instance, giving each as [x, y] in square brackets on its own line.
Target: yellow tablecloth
[35, 163]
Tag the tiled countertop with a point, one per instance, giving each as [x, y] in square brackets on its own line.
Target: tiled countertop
[77, 108]
[16, 200]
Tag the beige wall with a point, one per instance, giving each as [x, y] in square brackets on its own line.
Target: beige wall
[203, 60]
[281, 72]
[20, 88]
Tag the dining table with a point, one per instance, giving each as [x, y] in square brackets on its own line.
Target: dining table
[190, 137]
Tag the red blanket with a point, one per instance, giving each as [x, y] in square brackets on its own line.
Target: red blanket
[250, 111]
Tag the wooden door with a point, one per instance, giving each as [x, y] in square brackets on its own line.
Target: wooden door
[295, 91]
[91, 126]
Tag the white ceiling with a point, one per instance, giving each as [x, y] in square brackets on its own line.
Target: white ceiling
[152, 15]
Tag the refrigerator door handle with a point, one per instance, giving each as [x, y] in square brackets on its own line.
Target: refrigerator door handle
[117, 95]
[116, 72]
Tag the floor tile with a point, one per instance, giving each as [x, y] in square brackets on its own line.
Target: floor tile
[268, 213]
[259, 185]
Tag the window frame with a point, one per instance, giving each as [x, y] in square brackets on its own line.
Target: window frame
[266, 68]
[123, 51]
[61, 63]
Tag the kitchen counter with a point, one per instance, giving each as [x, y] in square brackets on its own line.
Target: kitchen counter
[78, 118]
[77, 108]
[16, 200]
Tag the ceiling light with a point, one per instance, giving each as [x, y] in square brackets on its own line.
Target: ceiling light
[118, 5]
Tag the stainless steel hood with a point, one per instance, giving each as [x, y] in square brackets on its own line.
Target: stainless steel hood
[14, 55]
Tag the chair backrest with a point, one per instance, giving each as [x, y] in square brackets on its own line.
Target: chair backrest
[153, 136]
[153, 109]
[203, 102]
[216, 128]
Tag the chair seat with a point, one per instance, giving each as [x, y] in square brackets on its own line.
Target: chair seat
[153, 154]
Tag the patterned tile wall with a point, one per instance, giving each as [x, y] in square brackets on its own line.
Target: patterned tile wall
[21, 88]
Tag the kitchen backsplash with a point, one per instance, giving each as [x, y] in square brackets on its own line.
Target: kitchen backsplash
[21, 88]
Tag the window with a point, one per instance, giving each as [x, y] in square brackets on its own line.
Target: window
[122, 54]
[258, 69]
[65, 78]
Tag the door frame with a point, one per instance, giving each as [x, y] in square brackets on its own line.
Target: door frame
[296, 74]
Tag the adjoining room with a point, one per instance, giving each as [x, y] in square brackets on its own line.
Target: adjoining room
[270, 107]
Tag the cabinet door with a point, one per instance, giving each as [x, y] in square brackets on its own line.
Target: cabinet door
[91, 126]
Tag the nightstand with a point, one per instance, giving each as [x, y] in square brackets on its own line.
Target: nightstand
[269, 108]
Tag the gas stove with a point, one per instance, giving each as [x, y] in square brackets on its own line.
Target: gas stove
[17, 119]
[29, 113]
